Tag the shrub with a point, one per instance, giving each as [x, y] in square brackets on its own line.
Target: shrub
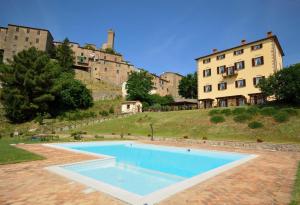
[226, 111]
[77, 135]
[255, 124]
[103, 113]
[99, 137]
[238, 110]
[204, 138]
[214, 112]
[253, 110]
[185, 137]
[268, 111]
[290, 111]
[111, 110]
[258, 140]
[242, 117]
[217, 119]
[281, 117]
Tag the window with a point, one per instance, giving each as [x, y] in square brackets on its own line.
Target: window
[220, 57]
[258, 61]
[37, 40]
[38, 32]
[16, 37]
[240, 83]
[26, 39]
[104, 57]
[223, 103]
[105, 69]
[221, 69]
[128, 107]
[81, 54]
[17, 29]
[257, 79]
[207, 88]
[222, 86]
[206, 61]
[206, 72]
[95, 68]
[238, 52]
[230, 70]
[117, 71]
[240, 65]
[256, 47]
[115, 59]
[240, 101]
[28, 30]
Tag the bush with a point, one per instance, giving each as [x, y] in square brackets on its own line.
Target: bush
[253, 110]
[217, 119]
[226, 111]
[290, 111]
[111, 110]
[99, 137]
[156, 107]
[281, 117]
[255, 124]
[258, 140]
[238, 110]
[242, 117]
[268, 111]
[103, 113]
[77, 135]
[214, 112]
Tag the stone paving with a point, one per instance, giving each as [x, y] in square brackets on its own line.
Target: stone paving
[267, 179]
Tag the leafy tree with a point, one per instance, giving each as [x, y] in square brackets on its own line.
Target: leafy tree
[284, 85]
[27, 84]
[188, 86]
[162, 100]
[139, 85]
[65, 56]
[70, 94]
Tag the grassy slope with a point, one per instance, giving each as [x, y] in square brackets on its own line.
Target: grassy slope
[296, 191]
[10, 154]
[196, 124]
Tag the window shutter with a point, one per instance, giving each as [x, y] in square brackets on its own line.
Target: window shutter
[254, 81]
[262, 60]
[203, 88]
[219, 86]
[236, 84]
[244, 82]
[203, 73]
[218, 70]
[253, 62]
[225, 86]
[243, 63]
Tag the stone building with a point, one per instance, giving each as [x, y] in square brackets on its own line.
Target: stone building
[14, 39]
[103, 63]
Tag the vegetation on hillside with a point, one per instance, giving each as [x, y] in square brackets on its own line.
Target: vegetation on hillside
[296, 192]
[188, 86]
[284, 85]
[34, 85]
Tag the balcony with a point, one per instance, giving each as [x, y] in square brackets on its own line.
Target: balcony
[230, 72]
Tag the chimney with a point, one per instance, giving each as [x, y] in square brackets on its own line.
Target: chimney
[243, 42]
[269, 34]
[215, 50]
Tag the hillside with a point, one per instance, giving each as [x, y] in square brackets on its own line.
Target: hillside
[196, 124]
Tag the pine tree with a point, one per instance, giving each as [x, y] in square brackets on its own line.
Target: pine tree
[65, 56]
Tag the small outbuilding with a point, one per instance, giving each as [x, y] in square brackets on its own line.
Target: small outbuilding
[131, 107]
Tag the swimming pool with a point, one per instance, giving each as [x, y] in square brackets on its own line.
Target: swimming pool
[144, 174]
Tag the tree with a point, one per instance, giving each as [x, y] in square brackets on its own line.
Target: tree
[284, 85]
[188, 86]
[65, 56]
[70, 94]
[162, 100]
[27, 84]
[139, 85]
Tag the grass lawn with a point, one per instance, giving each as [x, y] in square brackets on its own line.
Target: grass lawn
[10, 154]
[296, 192]
[196, 124]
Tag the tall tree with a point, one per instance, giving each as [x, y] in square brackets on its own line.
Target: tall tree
[27, 84]
[65, 56]
[284, 85]
[188, 86]
[139, 85]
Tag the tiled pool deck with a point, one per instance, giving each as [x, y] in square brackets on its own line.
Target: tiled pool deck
[267, 179]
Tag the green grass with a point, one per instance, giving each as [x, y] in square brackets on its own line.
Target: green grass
[296, 192]
[10, 154]
[196, 124]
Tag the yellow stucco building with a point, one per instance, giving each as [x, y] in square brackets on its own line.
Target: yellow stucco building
[230, 77]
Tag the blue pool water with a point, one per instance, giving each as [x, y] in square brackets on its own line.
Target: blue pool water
[143, 169]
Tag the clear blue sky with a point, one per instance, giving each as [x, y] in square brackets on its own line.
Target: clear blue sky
[162, 35]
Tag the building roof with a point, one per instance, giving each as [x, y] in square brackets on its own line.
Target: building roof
[184, 102]
[173, 73]
[41, 29]
[131, 102]
[274, 37]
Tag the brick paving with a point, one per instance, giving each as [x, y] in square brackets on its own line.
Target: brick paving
[267, 179]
